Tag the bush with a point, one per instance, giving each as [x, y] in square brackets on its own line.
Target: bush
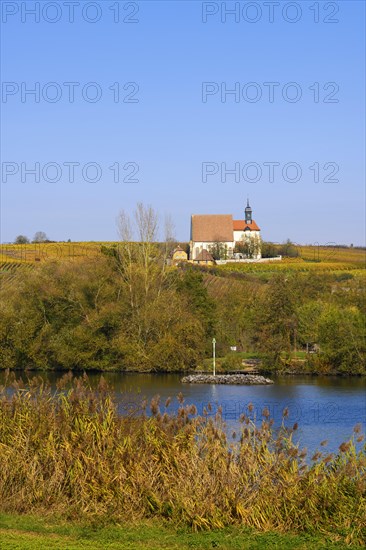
[232, 361]
[21, 239]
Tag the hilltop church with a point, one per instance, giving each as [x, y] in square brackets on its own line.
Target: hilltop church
[220, 234]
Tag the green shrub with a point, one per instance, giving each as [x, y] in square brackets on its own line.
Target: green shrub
[232, 361]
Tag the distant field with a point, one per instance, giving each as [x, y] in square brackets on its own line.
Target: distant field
[311, 258]
[298, 265]
[40, 252]
[331, 254]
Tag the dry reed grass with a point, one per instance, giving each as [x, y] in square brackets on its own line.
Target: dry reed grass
[68, 451]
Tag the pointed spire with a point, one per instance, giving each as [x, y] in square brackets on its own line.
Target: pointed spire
[248, 213]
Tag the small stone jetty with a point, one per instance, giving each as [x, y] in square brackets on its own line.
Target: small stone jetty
[238, 379]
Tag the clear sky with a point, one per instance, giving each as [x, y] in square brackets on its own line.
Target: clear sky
[172, 134]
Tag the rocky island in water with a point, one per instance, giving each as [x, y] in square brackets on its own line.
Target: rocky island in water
[238, 379]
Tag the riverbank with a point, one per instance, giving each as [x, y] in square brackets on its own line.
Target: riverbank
[113, 371]
[72, 454]
[44, 533]
[237, 379]
[168, 327]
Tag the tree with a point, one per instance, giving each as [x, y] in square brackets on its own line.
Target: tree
[155, 312]
[21, 239]
[169, 229]
[170, 241]
[218, 250]
[309, 315]
[277, 320]
[249, 246]
[40, 237]
[342, 339]
[290, 249]
[192, 285]
[269, 250]
[141, 262]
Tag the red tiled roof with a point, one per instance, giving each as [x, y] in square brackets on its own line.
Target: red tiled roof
[240, 225]
[212, 228]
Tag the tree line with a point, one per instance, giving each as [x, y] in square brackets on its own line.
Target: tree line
[39, 237]
[128, 309]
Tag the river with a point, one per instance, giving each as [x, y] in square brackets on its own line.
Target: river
[325, 408]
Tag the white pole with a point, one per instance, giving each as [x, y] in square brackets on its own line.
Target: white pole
[214, 355]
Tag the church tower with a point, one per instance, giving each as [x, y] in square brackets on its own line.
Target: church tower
[248, 213]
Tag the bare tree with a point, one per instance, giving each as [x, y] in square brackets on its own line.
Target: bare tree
[147, 223]
[142, 260]
[169, 229]
[40, 237]
[142, 265]
[124, 227]
[169, 235]
[147, 229]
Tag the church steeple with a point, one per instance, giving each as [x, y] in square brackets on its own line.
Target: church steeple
[248, 213]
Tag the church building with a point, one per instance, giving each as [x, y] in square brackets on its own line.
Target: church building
[225, 238]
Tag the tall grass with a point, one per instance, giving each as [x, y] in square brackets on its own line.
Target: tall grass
[69, 451]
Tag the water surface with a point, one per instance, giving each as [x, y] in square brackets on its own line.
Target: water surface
[325, 408]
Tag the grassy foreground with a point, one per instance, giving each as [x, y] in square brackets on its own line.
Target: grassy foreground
[70, 454]
[35, 533]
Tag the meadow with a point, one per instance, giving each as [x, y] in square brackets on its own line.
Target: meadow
[47, 533]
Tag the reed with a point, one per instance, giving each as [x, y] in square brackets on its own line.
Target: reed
[70, 452]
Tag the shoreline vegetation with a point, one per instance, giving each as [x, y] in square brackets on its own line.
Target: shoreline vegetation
[123, 308]
[70, 454]
[261, 372]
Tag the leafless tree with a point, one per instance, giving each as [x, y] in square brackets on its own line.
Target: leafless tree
[146, 223]
[40, 237]
[142, 260]
[169, 228]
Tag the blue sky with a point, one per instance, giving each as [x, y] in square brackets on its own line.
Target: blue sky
[168, 132]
